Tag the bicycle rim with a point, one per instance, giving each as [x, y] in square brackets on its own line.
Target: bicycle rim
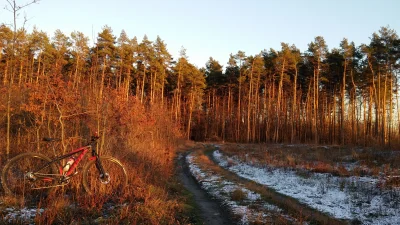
[112, 185]
[15, 181]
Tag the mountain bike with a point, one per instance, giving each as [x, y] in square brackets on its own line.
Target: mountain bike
[33, 174]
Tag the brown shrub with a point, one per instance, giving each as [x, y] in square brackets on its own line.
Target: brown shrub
[143, 138]
[238, 195]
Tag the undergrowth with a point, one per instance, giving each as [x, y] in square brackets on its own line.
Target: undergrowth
[143, 138]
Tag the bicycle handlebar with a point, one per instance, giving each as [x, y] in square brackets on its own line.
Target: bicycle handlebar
[95, 136]
[93, 139]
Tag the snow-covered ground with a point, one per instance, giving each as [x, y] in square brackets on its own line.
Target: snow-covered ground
[24, 215]
[353, 198]
[223, 190]
[27, 215]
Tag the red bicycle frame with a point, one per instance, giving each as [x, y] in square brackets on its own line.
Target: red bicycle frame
[82, 152]
[79, 158]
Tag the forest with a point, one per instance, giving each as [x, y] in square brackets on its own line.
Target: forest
[148, 106]
[346, 95]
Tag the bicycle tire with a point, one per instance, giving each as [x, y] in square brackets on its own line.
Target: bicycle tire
[13, 175]
[118, 178]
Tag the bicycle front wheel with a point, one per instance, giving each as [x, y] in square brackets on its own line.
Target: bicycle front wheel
[112, 182]
[17, 178]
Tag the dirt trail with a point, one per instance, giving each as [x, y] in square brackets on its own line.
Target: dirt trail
[211, 211]
[291, 205]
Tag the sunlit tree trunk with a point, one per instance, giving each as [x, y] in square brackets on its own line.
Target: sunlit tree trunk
[294, 107]
[143, 82]
[278, 105]
[342, 107]
[103, 72]
[239, 109]
[384, 125]
[249, 104]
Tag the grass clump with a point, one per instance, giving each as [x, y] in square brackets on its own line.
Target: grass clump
[238, 195]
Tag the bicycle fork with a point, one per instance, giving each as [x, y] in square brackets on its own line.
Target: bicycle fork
[104, 177]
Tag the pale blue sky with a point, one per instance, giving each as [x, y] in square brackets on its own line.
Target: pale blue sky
[217, 28]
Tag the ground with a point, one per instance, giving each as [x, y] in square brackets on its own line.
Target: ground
[210, 210]
[280, 184]
[293, 184]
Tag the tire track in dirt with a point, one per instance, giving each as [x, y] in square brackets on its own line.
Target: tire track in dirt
[291, 205]
[211, 211]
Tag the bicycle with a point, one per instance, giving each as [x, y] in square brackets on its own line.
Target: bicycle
[33, 174]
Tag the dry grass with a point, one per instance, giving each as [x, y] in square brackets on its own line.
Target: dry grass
[147, 200]
[323, 159]
[145, 141]
[238, 195]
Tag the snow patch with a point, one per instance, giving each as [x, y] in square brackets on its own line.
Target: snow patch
[222, 190]
[353, 198]
[25, 215]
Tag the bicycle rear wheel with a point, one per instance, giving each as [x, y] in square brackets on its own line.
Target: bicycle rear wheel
[15, 177]
[114, 181]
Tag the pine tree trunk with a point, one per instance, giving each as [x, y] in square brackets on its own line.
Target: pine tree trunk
[190, 114]
[294, 107]
[342, 132]
[239, 109]
[249, 108]
[144, 80]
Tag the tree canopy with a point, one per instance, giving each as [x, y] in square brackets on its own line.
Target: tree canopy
[346, 95]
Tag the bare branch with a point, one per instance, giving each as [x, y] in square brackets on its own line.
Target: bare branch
[16, 8]
[25, 20]
[77, 114]
[6, 8]
[11, 3]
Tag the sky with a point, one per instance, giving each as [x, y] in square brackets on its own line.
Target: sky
[215, 28]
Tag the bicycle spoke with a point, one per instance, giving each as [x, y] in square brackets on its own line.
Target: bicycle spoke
[18, 178]
[111, 183]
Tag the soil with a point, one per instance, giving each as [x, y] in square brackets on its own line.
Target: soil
[210, 210]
